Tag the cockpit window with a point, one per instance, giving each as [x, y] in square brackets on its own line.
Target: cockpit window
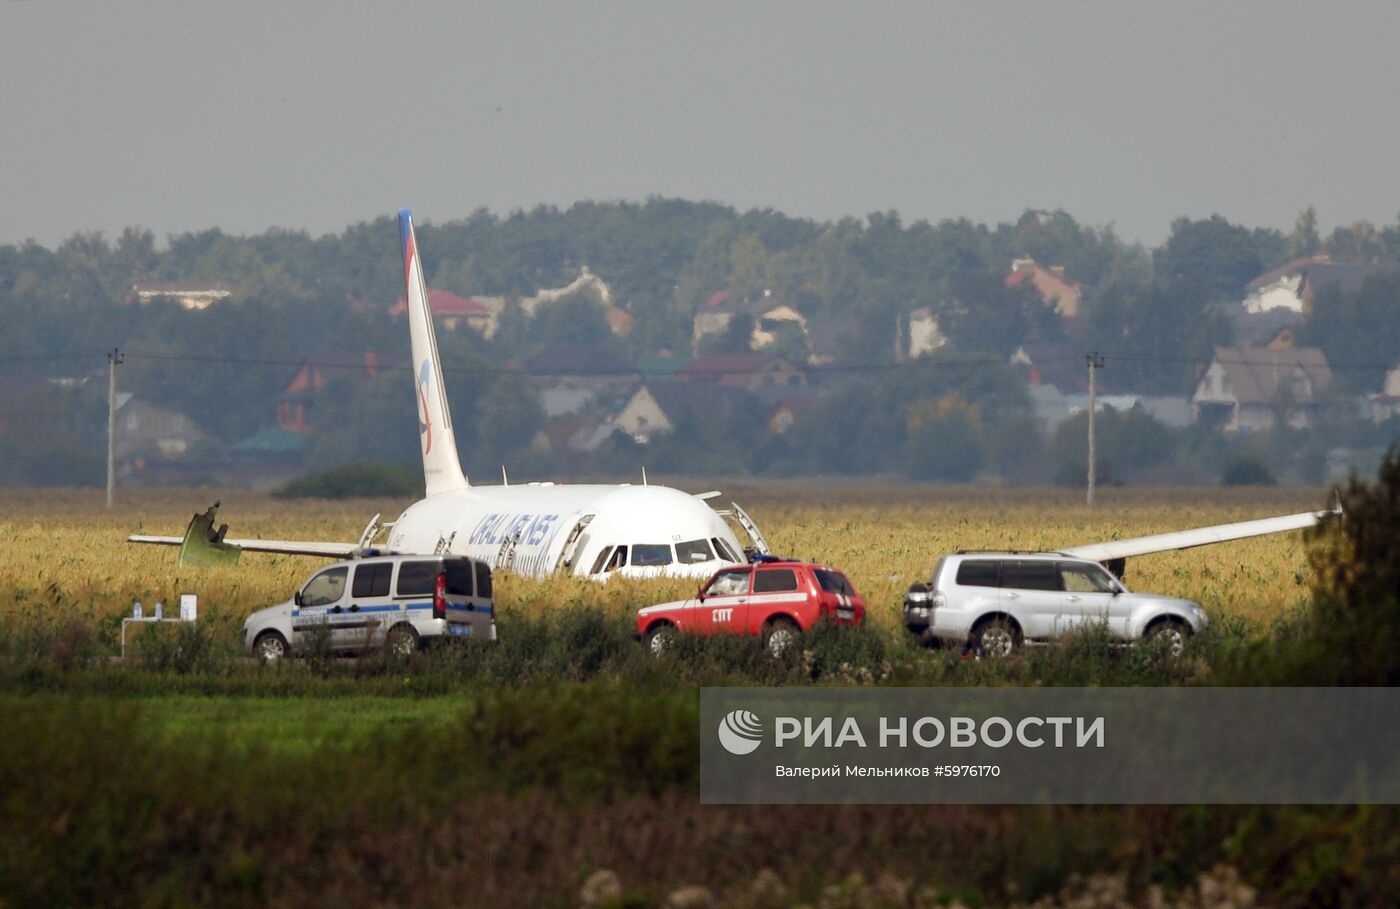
[693, 552]
[651, 554]
[619, 558]
[724, 551]
[602, 559]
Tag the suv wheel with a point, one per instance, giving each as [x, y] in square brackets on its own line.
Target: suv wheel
[1170, 635]
[270, 647]
[995, 638]
[661, 639]
[780, 637]
[401, 641]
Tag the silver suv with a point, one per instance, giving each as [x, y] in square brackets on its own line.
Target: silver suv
[996, 601]
[396, 601]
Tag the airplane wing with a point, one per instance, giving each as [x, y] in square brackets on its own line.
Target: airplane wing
[1200, 536]
[204, 546]
[287, 547]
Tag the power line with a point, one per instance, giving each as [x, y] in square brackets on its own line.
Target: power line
[969, 361]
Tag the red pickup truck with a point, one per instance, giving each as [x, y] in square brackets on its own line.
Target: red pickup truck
[774, 599]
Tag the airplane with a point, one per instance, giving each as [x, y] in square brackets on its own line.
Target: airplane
[535, 529]
[595, 531]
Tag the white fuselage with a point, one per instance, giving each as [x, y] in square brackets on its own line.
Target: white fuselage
[537, 529]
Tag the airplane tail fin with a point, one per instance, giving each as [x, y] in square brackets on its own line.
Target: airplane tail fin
[441, 469]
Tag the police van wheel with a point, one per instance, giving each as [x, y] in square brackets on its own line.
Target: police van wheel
[270, 647]
[780, 637]
[661, 639]
[401, 641]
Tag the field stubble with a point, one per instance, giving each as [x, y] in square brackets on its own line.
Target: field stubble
[63, 554]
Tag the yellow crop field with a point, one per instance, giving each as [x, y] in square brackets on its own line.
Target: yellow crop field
[62, 553]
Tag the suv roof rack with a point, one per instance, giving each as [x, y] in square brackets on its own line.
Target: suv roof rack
[1011, 552]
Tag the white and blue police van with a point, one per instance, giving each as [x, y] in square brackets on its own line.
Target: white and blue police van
[399, 602]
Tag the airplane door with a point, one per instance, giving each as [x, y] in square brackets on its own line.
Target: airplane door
[723, 605]
[574, 546]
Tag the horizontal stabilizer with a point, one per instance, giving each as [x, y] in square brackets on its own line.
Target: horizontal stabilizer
[1200, 536]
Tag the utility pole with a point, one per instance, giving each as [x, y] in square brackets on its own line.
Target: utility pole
[114, 359]
[1095, 361]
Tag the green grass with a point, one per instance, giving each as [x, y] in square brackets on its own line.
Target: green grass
[289, 725]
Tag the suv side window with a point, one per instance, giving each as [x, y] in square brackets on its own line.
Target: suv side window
[976, 574]
[483, 580]
[1030, 576]
[774, 580]
[372, 579]
[326, 588]
[416, 579]
[1081, 578]
[729, 583]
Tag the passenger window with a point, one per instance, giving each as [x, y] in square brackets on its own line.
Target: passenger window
[602, 559]
[646, 555]
[416, 579]
[483, 580]
[1080, 578]
[724, 551]
[459, 577]
[774, 580]
[619, 558]
[729, 583]
[326, 588]
[1030, 576]
[977, 574]
[693, 551]
[372, 579]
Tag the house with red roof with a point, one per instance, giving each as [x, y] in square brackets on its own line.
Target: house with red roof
[450, 310]
[296, 403]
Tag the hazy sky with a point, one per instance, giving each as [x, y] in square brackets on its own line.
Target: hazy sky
[314, 115]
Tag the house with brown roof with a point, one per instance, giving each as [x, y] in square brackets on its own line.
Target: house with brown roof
[750, 371]
[1249, 389]
[1050, 283]
[1346, 278]
[1278, 288]
[771, 317]
[145, 432]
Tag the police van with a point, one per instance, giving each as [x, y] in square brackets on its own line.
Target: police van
[399, 602]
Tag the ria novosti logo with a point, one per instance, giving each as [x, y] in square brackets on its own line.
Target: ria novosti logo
[740, 732]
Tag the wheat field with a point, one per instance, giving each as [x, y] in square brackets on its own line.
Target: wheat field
[63, 554]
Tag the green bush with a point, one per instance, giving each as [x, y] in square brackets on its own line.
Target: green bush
[363, 478]
[1246, 471]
